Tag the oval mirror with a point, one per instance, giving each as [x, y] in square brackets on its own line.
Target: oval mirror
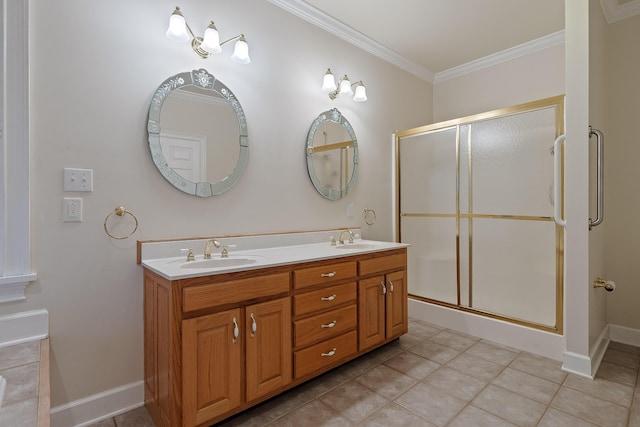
[332, 155]
[198, 133]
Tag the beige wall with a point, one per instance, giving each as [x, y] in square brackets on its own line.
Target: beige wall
[622, 208]
[527, 78]
[94, 67]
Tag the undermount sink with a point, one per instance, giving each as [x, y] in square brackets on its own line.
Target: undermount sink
[357, 246]
[220, 262]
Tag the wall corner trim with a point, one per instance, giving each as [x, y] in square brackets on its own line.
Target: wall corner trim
[12, 287]
[614, 11]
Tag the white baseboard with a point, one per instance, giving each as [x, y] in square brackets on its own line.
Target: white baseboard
[23, 327]
[520, 337]
[624, 335]
[91, 409]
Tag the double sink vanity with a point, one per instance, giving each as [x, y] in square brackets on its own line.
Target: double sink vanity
[225, 333]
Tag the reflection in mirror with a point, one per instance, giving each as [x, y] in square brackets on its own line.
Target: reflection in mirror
[198, 134]
[332, 155]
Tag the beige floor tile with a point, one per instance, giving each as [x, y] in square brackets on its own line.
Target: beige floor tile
[455, 341]
[313, 414]
[622, 358]
[539, 366]
[386, 381]
[476, 367]
[434, 351]
[510, 406]
[455, 383]
[434, 405]
[601, 388]
[624, 347]
[353, 401]
[618, 374]
[22, 383]
[136, 418]
[387, 351]
[555, 418]
[109, 422]
[422, 330]
[20, 414]
[413, 365]
[394, 415]
[527, 385]
[407, 341]
[19, 354]
[358, 366]
[589, 408]
[475, 417]
[493, 352]
[322, 384]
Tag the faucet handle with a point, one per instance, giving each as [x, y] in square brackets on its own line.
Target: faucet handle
[190, 256]
[333, 240]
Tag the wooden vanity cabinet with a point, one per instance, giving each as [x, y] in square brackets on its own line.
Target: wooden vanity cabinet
[382, 300]
[217, 345]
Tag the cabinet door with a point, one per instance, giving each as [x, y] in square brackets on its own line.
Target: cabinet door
[371, 307]
[212, 364]
[396, 304]
[268, 343]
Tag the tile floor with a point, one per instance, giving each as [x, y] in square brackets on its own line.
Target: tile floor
[437, 377]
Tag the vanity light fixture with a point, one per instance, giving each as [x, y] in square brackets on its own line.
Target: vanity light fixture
[179, 31]
[343, 88]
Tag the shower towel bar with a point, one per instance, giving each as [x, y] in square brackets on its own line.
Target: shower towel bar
[600, 172]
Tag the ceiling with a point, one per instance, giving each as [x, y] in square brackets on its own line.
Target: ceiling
[431, 38]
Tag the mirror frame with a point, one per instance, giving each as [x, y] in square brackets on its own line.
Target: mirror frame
[335, 116]
[203, 80]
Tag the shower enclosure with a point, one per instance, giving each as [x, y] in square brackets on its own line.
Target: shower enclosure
[475, 201]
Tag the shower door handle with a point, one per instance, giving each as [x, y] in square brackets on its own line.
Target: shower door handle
[600, 172]
[557, 181]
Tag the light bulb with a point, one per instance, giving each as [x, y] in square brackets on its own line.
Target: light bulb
[361, 93]
[177, 30]
[241, 51]
[211, 41]
[328, 83]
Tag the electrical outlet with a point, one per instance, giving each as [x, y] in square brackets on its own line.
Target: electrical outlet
[78, 179]
[72, 209]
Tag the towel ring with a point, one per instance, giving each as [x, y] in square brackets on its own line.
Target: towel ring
[120, 211]
[369, 216]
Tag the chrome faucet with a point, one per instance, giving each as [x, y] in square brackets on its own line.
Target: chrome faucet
[207, 248]
[341, 238]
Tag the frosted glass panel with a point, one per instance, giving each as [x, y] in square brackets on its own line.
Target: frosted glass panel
[428, 172]
[465, 166]
[512, 164]
[514, 269]
[432, 257]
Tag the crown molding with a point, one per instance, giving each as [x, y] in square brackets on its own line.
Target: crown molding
[614, 11]
[503, 56]
[333, 26]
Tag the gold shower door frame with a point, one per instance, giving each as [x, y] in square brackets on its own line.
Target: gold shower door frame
[556, 103]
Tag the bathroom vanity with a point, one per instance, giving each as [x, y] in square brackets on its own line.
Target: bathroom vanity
[222, 336]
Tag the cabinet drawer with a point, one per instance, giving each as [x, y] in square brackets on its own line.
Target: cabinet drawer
[325, 353]
[324, 298]
[325, 325]
[376, 265]
[234, 291]
[305, 277]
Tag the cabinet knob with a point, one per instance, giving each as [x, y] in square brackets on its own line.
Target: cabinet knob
[329, 298]
[333, 273]
[390, 286]
[236, 331]
[329, 325]
[384, 288]
[254, 326]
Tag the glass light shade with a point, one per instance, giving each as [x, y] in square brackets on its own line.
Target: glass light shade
[361, 93]
[328, 83]
[211, 41]
[345, 86]
[177, 31]
[241, 52]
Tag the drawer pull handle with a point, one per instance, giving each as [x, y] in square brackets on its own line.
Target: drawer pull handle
[331, 353]
[333, 273]
[329, 325]
[236, 331]
[254, 326]
[390, 286]
[384, 288]
[329, 298]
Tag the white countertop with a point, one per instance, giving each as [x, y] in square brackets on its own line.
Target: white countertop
[174, 268]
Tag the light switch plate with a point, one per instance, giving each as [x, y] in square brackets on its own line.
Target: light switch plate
[78, 179]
